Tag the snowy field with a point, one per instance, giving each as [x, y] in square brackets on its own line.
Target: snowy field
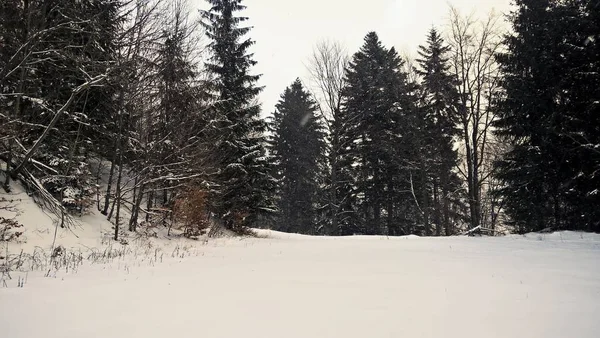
[288, 286]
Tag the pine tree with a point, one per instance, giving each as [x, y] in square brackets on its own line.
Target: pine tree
[377, 105]
[550, 114]
[66, 45]
[439, 97]
[298, 146]
[243, 183]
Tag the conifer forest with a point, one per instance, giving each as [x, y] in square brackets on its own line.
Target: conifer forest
[491, 127]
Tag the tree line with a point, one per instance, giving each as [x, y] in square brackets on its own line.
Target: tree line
[485, 130]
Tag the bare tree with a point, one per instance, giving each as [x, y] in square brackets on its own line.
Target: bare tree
[492, 208]
[327, 67]
[474, 46]
[133, 84]
[410, 68]
[164, 104]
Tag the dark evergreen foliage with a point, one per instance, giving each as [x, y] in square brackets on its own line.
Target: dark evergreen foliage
[550, 115]
[378, 150]
[66, 44]
[177, 133]
[298, 152]
[438, 131]
[244, 184]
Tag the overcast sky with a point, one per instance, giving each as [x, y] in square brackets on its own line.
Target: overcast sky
[286, 31]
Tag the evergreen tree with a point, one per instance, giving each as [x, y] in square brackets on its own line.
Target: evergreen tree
[86, 48]
[13, 35]
[439, 97]
[65, 45]
[340, 183]
[243, 183]
[377, 154]
[581, 90]
[298, 146]
[550, 115]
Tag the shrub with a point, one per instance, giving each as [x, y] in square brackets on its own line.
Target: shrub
[191, 212]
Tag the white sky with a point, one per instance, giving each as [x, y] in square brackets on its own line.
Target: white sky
[285, 31]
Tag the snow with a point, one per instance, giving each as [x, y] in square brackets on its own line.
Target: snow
[287, 285]
[40, 225]
[282, 285]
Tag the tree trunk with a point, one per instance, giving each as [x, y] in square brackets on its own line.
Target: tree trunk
[446, 211]
[425, 202]
[136, 210]
[376, 206]
[11, 141]
[437, 204]
[476, 210]
[334, 229]
[470, 169]
[109, 183]
[118, 195]
[18, 105]
[98, 171]
[149, 200]
[390, 208]
[556, 207]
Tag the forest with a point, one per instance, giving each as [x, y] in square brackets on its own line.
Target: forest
[486, 130]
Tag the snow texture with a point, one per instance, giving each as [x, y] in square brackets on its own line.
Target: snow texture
[284, 285]
[539, 285]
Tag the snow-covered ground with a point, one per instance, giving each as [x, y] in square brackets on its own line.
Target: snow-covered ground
[282, 285]
[295, 286]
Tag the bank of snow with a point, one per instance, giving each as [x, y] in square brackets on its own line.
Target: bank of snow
[298, 286]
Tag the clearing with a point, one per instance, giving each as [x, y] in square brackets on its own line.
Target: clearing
[296, 286]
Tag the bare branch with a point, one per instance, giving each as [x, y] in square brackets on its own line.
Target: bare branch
[38, 142]
[327, 67]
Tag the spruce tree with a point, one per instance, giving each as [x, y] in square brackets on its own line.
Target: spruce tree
[439, 97]
[582, 101]
[87, 48]
[341, 184]
[377, 105]
[298, 147]
[65, 45]
[550, 115]
[244, 185]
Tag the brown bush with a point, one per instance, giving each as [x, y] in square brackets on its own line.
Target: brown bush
[191, 212]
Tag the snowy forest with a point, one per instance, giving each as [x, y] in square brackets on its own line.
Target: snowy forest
[493, 127]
